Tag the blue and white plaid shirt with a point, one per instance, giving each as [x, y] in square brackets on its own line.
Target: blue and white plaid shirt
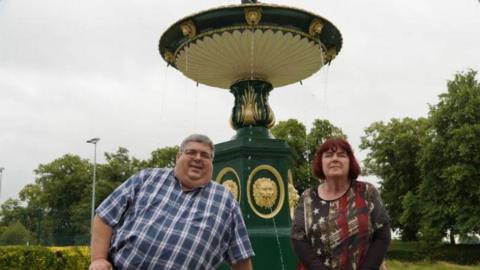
[156, 225]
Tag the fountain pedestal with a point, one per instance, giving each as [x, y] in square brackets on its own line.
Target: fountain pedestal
[255, 167]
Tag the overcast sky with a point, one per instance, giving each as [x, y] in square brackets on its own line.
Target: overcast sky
[71, 70]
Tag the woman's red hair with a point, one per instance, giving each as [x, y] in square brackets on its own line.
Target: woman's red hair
[334, 144]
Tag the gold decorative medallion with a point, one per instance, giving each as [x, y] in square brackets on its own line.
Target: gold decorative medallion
[188, 29]
[232, 187]
[268, 194]
[265, 192]
[331, 54]
[169, 56]
[292, 195]
[232, 181]
[316, 27]
[253, 15]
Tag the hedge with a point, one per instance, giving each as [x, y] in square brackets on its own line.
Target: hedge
[416, 251]
[74, 258]
[43, 258]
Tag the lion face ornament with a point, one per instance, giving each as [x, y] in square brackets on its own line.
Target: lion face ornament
[265, 192]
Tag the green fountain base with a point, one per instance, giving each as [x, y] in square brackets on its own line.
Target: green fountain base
[255, 167]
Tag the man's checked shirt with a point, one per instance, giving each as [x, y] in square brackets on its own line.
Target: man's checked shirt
[156, 225]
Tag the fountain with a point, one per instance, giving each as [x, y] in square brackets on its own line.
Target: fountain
[250, 49]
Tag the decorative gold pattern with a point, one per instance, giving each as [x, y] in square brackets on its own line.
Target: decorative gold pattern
[278, 181]
[249, 109]
[265, 192]
[232, 187]
[331, 54]
[292, 194]
[251, 104]
[188, 29]
[169, 56]
[292, 198]
[253, 15]
[271, 118]
[316, 27]
[235, 181]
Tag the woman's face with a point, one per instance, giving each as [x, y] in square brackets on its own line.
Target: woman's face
[335, 163]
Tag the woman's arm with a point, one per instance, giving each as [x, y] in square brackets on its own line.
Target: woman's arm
[378, 249]
[307, 255]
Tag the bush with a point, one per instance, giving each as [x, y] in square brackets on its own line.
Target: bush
[15, 234]
[42, 258]
[417, 251]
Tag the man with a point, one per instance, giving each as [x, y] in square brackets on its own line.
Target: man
[172, 219]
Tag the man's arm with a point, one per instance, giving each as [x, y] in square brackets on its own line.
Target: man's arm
[101, 236]
[243, 265]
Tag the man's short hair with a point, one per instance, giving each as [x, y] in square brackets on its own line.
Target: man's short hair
[199, 138]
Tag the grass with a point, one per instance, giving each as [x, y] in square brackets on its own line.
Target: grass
[426, 265]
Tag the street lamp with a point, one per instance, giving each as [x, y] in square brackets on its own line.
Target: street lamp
[94, 142]
[1, 173]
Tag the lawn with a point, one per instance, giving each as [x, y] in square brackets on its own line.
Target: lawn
[401, 265]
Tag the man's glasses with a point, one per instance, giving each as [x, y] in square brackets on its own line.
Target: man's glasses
[194, 153]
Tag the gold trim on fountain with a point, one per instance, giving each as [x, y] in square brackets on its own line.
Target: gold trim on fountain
[264, 193]
[292, 194]
[249, 111]
[331, 54]
[253, 15]
[188, 29]
[230, 183]
[169, 57]
[316, 27]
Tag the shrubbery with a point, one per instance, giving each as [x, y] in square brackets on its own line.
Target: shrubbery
[417, 251]
[74, 258]
[43, 258]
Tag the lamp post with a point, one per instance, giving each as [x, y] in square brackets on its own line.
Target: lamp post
[1, 173]
[94, 142]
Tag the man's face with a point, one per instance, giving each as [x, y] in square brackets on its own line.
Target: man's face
[194, 165]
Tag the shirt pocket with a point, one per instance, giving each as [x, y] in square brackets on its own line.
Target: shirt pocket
[209, 227]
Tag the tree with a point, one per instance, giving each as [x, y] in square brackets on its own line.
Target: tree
[11, 211]
[61, 186]
[304, 146]
[15, 234]
[450, 160]
[393, 153]
[119, 167]
[34, 211]
[163, 157]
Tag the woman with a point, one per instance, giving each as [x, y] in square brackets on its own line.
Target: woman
[341, 223]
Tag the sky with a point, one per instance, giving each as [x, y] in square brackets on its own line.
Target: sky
[74, 70]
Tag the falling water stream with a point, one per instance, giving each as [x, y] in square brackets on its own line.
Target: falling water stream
[278, 241]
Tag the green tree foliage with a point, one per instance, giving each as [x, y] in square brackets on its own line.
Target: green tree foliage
[431, 167]
[57, 207]
[450, 161]
[304, 146]
[60, 187]
[119, 167]
[35, 211]
[12, 211]
[394, 148]
[15, 234]
[163, 157]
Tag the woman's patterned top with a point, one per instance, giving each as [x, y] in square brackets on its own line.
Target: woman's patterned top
[340, 231]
